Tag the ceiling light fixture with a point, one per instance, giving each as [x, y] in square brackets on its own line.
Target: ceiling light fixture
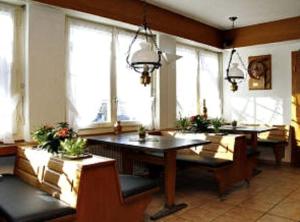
[233, 72]
[146, 60]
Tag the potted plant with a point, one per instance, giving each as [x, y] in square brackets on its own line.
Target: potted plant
[182, 123]
[142, 132]
[234, 123]
[199, 123]
[49, 137]
[73, 148]
[217, 123]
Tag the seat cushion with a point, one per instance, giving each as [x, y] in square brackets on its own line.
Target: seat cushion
[204, 161]
[201, 160]
[20, 202]
[271, 142]
[132, 185]
[252, 152]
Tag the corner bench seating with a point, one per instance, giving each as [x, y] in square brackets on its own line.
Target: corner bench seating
[277, 139]
[45, 188]
[225, 157]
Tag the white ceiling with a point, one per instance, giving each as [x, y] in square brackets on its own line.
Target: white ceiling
[216, 12]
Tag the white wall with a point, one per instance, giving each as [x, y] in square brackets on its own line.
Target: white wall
[45, 67]
[263, 106]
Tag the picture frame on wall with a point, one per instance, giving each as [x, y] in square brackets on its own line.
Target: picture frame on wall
[260, 72]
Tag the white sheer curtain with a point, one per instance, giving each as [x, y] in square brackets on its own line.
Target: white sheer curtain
[187, 81]
[210, 88]
[8, 101]
[89, 68]
[134, 101]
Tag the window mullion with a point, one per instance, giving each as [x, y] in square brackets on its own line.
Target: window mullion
[113, 78]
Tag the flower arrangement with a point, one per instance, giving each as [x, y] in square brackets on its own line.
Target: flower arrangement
[50, 138]
[199, 123]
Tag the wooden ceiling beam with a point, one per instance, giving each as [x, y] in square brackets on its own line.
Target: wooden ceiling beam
[131, 11]
[270, 32]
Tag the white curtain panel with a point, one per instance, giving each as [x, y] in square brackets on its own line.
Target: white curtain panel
[8, 101]
[89, 70]
[210, 82]
[187, 81]
[134, 100]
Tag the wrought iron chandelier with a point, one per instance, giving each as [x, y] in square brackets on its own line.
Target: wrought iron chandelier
[146, 60]
[233, 73]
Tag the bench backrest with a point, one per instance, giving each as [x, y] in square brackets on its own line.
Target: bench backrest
[280, 133]
[221, 146]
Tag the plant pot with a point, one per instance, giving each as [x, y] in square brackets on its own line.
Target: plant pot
[142, 135]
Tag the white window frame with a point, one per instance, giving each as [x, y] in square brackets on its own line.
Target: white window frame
[113, 79]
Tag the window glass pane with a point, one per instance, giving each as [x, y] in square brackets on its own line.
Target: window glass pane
[89, 73]
[186, 81]
[210, 82]
[134, 99]
[8, 100]
[6, 51]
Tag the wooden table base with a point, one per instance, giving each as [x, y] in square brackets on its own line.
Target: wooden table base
[168, 210]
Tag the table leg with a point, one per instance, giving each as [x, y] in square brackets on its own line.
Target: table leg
[170, 183]
[127, 163]
[254, 138]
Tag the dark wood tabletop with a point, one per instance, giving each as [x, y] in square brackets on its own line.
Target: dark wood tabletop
[155, 143]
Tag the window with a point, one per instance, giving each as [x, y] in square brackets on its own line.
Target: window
[9, 97]
[89, 73]
[133, 98]
[101, 86]
[197, 78]
[187, 81]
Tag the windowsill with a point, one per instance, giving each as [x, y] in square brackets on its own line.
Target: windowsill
[106, 130]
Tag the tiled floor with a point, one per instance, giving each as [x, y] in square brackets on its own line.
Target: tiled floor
[273, 196]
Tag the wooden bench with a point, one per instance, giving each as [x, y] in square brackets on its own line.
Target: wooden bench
[47, 188]
[225, 157]
[277, 139]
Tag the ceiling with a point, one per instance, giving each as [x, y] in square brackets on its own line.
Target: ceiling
[216, 12]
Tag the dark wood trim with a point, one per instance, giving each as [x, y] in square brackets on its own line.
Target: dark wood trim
[131, 11]
[276, 31]
[8, 151]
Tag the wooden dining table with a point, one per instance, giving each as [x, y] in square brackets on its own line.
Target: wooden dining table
[130, 145]
[253, 131]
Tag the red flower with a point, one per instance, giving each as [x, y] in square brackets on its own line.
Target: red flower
[63, 132]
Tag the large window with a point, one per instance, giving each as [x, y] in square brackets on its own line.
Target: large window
[9, 97]
[197, 79]
[101, 87]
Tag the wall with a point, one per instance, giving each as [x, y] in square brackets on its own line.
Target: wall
[45, 67]
[263, 106]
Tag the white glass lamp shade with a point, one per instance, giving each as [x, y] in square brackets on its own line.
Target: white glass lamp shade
[145, 56]
[235, 72]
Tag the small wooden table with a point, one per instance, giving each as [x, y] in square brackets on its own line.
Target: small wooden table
[165, 144]
[251, 130]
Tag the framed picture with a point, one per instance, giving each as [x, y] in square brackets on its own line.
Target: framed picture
[260, 72]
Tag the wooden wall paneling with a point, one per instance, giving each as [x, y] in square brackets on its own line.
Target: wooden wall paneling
[276, 31]
[131, 11]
